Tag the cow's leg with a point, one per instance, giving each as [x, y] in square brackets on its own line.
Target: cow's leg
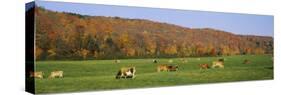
[123, 76]
[133, 75]
[117, 77]
[130, 76]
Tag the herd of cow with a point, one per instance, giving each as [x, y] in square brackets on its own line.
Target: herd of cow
[40, 74]
[129, 72]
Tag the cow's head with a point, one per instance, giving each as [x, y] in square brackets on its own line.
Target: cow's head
[177, 66]
[133, 69]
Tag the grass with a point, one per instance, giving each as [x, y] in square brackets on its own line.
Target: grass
[100, 74]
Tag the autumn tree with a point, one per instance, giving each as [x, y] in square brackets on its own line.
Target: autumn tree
[61, 35]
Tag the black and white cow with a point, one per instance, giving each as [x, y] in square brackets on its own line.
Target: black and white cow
[155, 61]
[126, 72]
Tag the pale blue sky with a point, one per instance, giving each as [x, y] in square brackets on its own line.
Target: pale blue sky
[236, 23]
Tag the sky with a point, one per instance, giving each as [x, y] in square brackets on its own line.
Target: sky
[245, 24]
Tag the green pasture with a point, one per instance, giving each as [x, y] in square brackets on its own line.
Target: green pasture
[92, 75]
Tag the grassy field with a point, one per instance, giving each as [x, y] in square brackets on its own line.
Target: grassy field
[100, 74]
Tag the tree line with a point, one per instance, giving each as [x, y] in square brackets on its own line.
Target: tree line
[70, 36]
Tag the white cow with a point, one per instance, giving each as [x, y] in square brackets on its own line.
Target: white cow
[218, 64]
[55, 74]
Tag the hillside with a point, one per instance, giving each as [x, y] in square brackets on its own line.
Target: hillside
[73, 36]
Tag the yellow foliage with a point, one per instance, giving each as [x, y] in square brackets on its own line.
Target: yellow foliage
[51, 52]
[171, 50]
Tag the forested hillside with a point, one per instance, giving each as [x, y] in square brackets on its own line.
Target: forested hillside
[72, 36]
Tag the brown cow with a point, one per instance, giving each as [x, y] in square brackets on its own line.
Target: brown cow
[204, 66]
[38, 74]
[164, 67]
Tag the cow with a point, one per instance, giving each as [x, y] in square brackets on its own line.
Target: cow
[173, 68]
[246, 61]
[38, 74]
[155, 61]
[164, 67]
[126, 72]
[56, 74]
[117, 61]
[219, 64]
[204, 66]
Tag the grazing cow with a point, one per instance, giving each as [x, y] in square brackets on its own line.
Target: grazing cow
[38, 74]
[246, 61]
[126, 73]
[165, 67]
[117, 61]
[173, 68]
[56, 74]
[204, 66]
[219, 64]
[162, 68]
[155, 61]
